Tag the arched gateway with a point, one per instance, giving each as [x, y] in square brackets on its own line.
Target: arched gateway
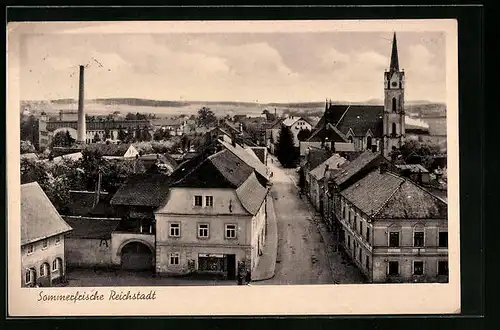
[136, 255]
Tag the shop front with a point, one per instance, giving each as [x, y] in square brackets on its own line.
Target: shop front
[220, 264]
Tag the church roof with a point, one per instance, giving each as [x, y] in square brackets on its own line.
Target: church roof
[361, 118]
[329, 131]
[394, 55]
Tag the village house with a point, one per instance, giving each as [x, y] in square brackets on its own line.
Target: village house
[272, 134]
[318, 179]
[213, 220]
[296, 124]
[395, 230]
[43, 261]
[174, 125]
[313, 157]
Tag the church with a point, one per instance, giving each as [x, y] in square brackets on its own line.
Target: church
[379, 128]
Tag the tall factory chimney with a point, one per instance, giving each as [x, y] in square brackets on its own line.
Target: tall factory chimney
[81, 113]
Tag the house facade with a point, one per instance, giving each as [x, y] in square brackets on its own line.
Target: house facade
[43, 261]
[397, 232]
[296, 124]
[213, 220]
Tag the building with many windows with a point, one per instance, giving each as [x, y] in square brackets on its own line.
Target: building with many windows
[394, 230]
[42, 239]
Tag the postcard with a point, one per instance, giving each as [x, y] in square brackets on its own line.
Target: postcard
[233, 168]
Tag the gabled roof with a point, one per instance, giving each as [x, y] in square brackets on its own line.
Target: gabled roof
[251, 194]
[414, 168]
[109, 149]
[248, 157]
[389, 196]
[333, 163]
[91, 228]
[29, 156]
[275, 124]
[39, 218]
[292, 120]
[361, 118]
[232, 168]
[355, 166]
[328, 131]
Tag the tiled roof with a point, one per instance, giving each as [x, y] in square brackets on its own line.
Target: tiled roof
[145, 189]
[231, 167]
[389, 196]
[292, 120]
[216, 174]
[91, 228]
[246, 156]
[109, 149]
[74, 156]
[328, 131]
[275, 124]
[371, 192]
[414, 202]
[169, 121]
[252, 194]
[260, 152]
[355, 165]
[316, 156]
[333, 164]
[39, 218]
[361, 118]
[331, 115]
[81, 203]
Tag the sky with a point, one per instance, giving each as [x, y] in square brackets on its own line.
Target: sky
[244, 67]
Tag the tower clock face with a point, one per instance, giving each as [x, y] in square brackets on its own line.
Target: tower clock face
[394, 84]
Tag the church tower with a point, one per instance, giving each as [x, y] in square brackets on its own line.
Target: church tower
[394, 114]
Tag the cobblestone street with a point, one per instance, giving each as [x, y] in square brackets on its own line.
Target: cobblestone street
[306, 249]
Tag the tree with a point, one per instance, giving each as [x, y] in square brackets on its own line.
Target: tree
[130, 116]
[146, 136]
[304, 134]
[62, 139]
[122, 135]
[107, 133]
[28, 129]
[269, 116]
[286, 152]
[91, 163]
[96, 138]
[206, 117]
[27, 147]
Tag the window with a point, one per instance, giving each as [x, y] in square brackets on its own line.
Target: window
[55, 265]
[58, 239]
[367, 261]
[44, 270]
[368, 234]
[343, 212]
[29, 276]
[356, 222]
[393, 129]
[360, 255]
[394, 239]
[175, 230]
[197, 201]
[203, 230]
[349, 216]
[393, 268]
[418, 268]
[442, 267]
[443, 239]
[349, 241]
[209, 201]
[394, 104]
[31, 249]
[418, 239]
[360, 228]
[174, 258]
[230, 231]
[45, 244]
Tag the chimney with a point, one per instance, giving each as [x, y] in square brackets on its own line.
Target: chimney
[81, 113]
[241, 127]
[383, 168]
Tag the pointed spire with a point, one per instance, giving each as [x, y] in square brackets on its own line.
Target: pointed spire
[394, 55]
[326, 104]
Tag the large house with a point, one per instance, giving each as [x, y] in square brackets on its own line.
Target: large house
[395, 230]
[114, 151]
[43, 261]
[213, 220]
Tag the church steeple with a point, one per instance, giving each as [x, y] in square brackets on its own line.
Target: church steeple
[394, 55]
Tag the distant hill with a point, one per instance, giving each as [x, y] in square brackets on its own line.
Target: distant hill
[418, 108]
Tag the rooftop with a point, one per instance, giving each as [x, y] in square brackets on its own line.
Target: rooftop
[39, 218]
[109, 149]
[355, 166]
[333, 163]
[91, 228]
